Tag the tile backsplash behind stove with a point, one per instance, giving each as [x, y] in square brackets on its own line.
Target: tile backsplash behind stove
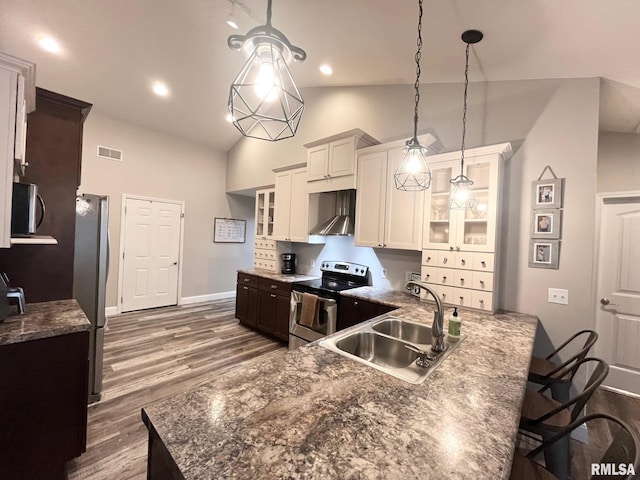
[396, 262]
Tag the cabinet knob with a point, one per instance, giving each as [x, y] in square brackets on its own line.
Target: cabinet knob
[428, 259]
[481, 302]
[483, 263]
[451, 248]
[482, 284]
[463, 262]
[457, 249]
[355, 303]
[444, 279]
[246, 288]
[273, 295]
[462, 281]
[445, 260]
[444, 295]
[247, 280]
[427, 277]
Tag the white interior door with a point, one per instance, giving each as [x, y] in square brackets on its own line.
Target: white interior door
[618, 313]
[151, 251]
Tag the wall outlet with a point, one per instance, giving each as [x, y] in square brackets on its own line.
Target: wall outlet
[558, 295]
[383, 273]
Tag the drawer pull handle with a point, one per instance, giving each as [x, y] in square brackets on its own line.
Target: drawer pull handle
[274, 286]
[483, 263]
[463, 262]
[355, 303]
[482, 284]
[444, 279]
[462, 281]
[444, 295]
[246, 288]
[444, 260]
[481, 302]
[247, 280]
[273, 295]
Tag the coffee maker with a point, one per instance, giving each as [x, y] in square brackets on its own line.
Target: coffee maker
[288, 263]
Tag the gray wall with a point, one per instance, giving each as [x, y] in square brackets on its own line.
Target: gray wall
[618, 162]
[157, 165]
[550, 122]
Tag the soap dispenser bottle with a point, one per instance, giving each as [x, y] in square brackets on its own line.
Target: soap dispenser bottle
[454, 324]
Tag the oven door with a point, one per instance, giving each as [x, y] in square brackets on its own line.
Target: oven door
[324, 325]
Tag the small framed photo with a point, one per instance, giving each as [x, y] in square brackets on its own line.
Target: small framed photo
[544, 253]
[547, 193]
[546, 223]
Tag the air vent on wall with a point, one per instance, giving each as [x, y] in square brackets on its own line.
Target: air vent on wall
[110, 153]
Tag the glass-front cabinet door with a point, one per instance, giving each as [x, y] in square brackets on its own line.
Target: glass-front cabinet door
[439, 225]
[265, 203]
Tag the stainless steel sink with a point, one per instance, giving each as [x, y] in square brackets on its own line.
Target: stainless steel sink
[383, 345]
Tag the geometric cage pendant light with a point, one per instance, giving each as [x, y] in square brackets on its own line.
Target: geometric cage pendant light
[413, 173]
[264, 101]
[461, 196]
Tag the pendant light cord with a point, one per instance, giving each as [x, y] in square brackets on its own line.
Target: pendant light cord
[464, 108]
[417, 84]
[269, 14]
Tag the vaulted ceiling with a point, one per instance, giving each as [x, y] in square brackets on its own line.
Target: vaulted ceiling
[111, 50]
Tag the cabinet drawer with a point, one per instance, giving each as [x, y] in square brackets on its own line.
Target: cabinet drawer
[483, 281]
[429, 274]
[463, 278]
[482, 300]
[445, 276]
[279, 288]
[446, 293]
[462, 297]
[264, 264]
[430, 257]
[446, 258]
[483, 261]
[264, 244]
[464, 260]
[265, 254]
[249, 280]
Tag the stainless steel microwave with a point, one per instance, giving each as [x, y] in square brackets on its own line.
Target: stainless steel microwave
[23, 209]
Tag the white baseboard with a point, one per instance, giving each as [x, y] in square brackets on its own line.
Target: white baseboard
[207, 298]
[109, 311]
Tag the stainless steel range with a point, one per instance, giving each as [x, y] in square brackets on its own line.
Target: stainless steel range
[320, 306]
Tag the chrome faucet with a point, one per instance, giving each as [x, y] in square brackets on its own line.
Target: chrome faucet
[437, 329]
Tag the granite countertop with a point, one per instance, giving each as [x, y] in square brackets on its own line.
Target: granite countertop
[314, 414]
[280, 277]
[43, 320]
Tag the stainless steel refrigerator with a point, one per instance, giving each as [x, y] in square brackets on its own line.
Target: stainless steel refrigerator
[90, 269]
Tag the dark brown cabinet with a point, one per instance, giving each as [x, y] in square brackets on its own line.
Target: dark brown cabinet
[352, 311]
[264, 304]
[43, 405]
[247, 300]
[54, 153]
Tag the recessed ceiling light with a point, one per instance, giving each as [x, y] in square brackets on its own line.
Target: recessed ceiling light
[326, 69]
[50, 44]
[160, 89]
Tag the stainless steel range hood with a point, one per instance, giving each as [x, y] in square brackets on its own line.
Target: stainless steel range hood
[342, 223]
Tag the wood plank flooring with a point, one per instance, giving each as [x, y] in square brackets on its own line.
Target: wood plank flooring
[151, 355]
[155, 354]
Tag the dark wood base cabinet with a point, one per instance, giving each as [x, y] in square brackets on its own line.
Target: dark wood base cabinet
[160, 464]
[352, 311]
[43, 406]
[264, 304]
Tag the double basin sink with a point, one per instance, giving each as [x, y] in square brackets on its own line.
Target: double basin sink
[390, 345]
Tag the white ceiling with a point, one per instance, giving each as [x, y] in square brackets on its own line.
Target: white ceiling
[113, 49]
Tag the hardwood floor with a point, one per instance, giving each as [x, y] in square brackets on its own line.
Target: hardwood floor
[155, 354]
[151, 355]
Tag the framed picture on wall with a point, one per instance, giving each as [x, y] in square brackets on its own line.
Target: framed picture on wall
[546, 223]
[544, 253]
[547, 193]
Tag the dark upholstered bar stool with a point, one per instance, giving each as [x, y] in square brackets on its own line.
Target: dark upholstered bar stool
[542, 370]
[547, 417]
[624, 449]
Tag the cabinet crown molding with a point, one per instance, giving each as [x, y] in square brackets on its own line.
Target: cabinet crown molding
[356, 132]
[28, 71]
[503, 149]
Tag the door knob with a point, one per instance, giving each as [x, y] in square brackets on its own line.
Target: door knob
[605, 301]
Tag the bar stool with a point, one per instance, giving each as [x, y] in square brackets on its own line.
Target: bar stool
[547, 417]
[542, 370]
[623, 449]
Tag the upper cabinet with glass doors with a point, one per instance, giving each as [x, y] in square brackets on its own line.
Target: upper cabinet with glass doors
[265, 206]
[475, 228]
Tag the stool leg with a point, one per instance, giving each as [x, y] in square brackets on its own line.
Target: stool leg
[560, 391]
[557, 457]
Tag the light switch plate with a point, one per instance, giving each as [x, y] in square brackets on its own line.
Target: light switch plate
[558, 295]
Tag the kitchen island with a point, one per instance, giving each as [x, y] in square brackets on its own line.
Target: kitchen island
[314, 414]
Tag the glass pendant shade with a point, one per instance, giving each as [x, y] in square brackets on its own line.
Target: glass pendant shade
[413, 173]
[264, 101]
[461, 197]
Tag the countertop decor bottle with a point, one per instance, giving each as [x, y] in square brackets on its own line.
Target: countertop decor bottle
[454, 324]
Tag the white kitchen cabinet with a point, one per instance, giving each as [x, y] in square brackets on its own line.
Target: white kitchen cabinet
[17, 98]
[387, 217]
[331, 162]
[461, 247]
[292, 211]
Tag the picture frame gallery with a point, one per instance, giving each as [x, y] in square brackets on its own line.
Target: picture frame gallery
[547, 197]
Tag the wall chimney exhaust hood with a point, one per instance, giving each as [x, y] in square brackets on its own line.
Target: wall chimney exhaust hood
[342, 223]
